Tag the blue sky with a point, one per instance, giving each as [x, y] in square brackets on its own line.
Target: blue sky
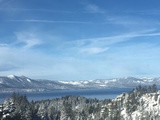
[80, 39]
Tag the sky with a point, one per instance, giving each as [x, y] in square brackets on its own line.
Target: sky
[80, 39]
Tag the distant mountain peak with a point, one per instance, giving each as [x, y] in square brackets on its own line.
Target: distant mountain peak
[22, 76]
[11, 76]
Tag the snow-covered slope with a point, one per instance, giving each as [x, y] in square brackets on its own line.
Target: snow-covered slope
[114, 83]
[142, 103]
[134, 106]
[149, 105]
[22, 83]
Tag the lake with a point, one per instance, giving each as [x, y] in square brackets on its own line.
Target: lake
[88, 93]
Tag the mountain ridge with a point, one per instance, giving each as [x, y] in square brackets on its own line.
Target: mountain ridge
[25, 84]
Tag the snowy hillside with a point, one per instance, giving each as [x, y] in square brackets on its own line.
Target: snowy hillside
[140, 104]
[126, 82]
[24, 84]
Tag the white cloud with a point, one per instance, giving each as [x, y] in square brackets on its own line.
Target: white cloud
[41, 65]
[8, 57]
[28, 39]
[92, 8]
[93, 50]
[7, 67]
[39, 10]
[49, 21]
[3, 45]
[102, 44]
[110, 40]
[131, 21]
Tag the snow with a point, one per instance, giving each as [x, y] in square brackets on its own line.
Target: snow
[136, 115]
[71, 82]
[148, 104]
[77, 107]
[11, 76]
[98, 82]
[139, 81]
[119, 97]
[114, 80]
[85, 82]
[92, 116]
[90, 80]
[124, 113]
[75, 83]
[28, 80]
[106, 82]
[4, 116]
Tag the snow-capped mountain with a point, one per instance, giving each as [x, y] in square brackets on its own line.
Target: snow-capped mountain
[25, 84]
[126, 82]
[22, 83]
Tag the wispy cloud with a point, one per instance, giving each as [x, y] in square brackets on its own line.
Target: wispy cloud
[31, 63]
[93, 50]
[92, 8]
[3, 45]
[51, 21]
[121, 20]
[145, 12]
[102, 44]
[131, 20]
[105, 41]
[5, 3]
[7, 63]
[7, 67]
[28, 39]
[38, 10]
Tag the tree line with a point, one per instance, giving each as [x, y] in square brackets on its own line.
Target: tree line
[72, 107]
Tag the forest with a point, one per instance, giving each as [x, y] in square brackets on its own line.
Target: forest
[17, 107]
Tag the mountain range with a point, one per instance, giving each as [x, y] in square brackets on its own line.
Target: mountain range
[25, 84]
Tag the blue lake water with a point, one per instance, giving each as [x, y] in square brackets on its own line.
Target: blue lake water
[89, 93]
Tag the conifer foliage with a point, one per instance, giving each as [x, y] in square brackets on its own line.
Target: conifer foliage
[140, 104]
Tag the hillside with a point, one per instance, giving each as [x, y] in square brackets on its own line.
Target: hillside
[140, 104]
[24, 84]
